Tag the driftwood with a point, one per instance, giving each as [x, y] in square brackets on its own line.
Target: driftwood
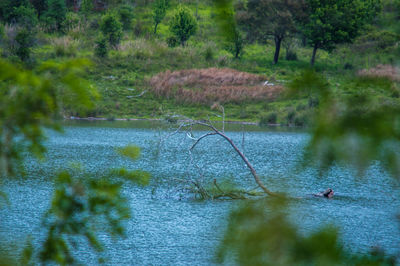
[187, 125]
[215, 131]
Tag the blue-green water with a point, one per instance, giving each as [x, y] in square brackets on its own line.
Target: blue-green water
[168, 227]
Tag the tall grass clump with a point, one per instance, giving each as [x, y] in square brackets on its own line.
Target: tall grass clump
[65, 46]
[205, 86]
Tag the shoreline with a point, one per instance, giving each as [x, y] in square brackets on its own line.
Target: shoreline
[158, 119]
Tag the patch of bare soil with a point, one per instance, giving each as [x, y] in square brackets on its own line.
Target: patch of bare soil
[382, 71]
[205, 86]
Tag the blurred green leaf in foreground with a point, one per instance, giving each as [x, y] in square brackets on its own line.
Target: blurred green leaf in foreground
[259, 233]
[83, 206]
[30, 101]
[356, 128]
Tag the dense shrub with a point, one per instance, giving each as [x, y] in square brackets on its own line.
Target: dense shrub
[313, 102]
[291, 116]
[94, 23]
[125, 13]
[40, 6]
[183, 24]
[7, 8]
[71, 21]
[86, 6]
[209, 53]
[172, 41]
[101, 48]
[270, 118]
[377, 40]
[301, 120]
[111, 29]
[301, 107]
[25, 16]
[24, 40]
[348, 66]
[291, 55]
[140, 29]
[54, 16]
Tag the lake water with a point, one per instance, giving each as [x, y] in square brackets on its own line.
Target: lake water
[168, 227]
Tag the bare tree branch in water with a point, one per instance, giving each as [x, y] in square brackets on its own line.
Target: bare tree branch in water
[186, 126]
[238, 151]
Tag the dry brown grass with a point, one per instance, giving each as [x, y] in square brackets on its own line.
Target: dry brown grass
[382, 71]
[205, 86]
[65, 42]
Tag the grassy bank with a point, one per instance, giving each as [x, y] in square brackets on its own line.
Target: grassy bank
[123, 77]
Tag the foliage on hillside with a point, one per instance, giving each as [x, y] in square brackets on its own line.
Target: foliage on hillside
[121, 74]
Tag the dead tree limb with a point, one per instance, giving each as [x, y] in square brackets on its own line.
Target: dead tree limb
[246, 161]
[188, 124]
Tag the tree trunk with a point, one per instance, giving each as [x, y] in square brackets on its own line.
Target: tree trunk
[155, 28]
[278, 42]
[314, 54]
[237, 51]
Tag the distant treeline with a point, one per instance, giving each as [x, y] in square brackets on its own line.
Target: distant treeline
[320, 24]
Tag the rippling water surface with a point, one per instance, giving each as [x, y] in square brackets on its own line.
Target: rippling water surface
[170, 228]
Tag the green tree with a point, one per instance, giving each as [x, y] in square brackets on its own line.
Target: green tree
[333, 22]
[125, 13]
[101, 48]
[24, 42]
[111, 29]
[71, 21]
[229, 28]
[55, 14]
[270, 18]
[25, 16]
[183, 24]
[40, 6]
[7, 8]
[159, 11]
[87, 6]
